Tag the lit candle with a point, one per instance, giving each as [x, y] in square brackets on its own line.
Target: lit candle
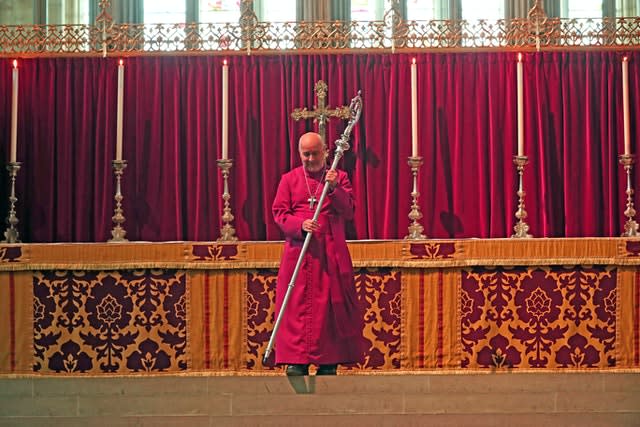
[14, 114]
[520, 108]
[414, 109]
[225, 109]
[625, 105]
[119, 111]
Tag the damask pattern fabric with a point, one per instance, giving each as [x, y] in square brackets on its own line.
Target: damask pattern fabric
[110, 322]
[560, 317]
[379, 288]
[425, 308]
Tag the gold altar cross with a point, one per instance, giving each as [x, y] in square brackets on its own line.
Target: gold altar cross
[320, 113]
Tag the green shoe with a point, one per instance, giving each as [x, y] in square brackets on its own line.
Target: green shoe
[327, 370]
[297, 370]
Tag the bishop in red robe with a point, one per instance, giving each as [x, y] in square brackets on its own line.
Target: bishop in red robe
[323, 321]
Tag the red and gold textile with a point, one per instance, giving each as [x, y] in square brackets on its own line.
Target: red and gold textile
[197, 307]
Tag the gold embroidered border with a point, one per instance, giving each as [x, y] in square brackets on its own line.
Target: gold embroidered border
[430, 319]
[628, 314]
[16, 322]
[217, 320]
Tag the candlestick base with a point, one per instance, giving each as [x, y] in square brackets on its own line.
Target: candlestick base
[11, 234]
[227, 232]
[118, 232]
[521, 228]
[415, 228]
[630, 226]
[631, 229]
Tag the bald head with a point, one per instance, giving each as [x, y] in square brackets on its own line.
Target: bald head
[313, 153]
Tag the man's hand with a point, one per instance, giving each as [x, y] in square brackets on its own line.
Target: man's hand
[310, 225]
[332, 178]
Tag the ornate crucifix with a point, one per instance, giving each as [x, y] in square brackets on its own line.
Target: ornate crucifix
[321, 114]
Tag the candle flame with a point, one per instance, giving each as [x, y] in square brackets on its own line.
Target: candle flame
[121, 62]
[224, 62]
[625, 59]
[413, 60]
[519, 57]
[15, 63]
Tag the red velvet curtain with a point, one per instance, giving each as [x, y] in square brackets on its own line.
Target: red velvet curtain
[467, 130]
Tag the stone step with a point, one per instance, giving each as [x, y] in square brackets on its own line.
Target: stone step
[412, 399]
[391, 420]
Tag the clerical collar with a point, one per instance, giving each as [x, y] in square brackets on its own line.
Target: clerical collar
[318, 175]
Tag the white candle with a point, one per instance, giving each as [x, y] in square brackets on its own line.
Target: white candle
[119, 111]
[14, 114]
[625, 105]
[225, 109]
[520, 108]
[104, 40]
[414, 109]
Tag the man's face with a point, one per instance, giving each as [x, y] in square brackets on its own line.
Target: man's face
[312, 153]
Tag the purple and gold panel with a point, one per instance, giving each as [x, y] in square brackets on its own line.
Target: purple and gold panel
[432, 250]
[215, 252]
[102, 322]
[261, 301]
[10, 253]
[631, 248]
[379, 288]
[538, 317]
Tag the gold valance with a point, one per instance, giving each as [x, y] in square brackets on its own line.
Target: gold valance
[372, 253]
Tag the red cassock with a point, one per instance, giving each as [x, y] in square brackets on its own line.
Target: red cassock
[323, 320]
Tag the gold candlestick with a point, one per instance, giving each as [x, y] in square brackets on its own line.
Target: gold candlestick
[118, 232]
[11, 234]
[415, 228]
[521, 228]
[631, 226]
[227, 233]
